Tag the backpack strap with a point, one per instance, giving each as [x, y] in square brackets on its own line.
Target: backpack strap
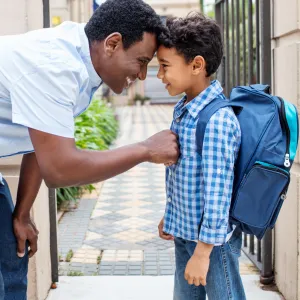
[205, 115]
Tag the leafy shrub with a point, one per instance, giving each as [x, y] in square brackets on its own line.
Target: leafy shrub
[95, 129]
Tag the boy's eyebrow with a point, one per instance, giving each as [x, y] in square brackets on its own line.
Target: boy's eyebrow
[163, 60]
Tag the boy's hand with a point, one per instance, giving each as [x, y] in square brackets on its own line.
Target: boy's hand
[162, 234]
[198, 265]
[196, 270]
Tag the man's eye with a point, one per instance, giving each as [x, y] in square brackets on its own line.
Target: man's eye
[164, 66]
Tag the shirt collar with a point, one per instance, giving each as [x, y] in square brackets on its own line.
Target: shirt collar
[198, 103]
[86, 57]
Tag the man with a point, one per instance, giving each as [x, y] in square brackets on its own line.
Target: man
[47, 77]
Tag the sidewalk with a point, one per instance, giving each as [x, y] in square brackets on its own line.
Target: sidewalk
[115, 233]
[136, 288]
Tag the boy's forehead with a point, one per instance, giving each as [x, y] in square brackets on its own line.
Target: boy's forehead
[163, 53]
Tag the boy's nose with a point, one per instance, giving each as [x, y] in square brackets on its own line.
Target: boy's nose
[160, 75]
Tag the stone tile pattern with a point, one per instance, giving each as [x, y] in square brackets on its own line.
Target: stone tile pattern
[120, 226]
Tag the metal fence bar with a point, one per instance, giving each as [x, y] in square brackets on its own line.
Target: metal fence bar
[233, 81]
[244, 42]
[257, 41]
[238, 54]
[245, 240]
[251, 247]
[250, 43]
[259, 250]
[227, 55]
[52, 192]
[267, 275]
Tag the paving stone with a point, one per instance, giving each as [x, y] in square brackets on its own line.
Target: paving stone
[105, 272]
[134, 272]
[167, 272]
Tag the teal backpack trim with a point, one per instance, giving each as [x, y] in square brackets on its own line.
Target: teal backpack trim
[292, 119]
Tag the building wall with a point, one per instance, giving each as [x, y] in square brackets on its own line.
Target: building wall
[19, 16]
[286, 83]
[70, 10]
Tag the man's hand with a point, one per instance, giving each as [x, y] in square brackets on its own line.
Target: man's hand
[163, 147]
[196, 270]
[25, 230]
[162, 234]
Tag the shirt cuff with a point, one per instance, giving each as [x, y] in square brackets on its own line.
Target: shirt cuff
[213, 236]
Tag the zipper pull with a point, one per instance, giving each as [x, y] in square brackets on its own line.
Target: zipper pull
[287, 162]
[283, 197]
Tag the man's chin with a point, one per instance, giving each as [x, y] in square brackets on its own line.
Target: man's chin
[117, 90]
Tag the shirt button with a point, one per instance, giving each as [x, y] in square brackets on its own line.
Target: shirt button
[177, 120]
[169, 200]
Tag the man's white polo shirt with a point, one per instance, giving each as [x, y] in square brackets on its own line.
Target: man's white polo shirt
[46, 79]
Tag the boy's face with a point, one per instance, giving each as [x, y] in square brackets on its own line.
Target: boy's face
[174, 71]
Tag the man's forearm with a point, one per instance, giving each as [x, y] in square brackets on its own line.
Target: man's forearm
[29, 185]
[85, 167]
[62, 164]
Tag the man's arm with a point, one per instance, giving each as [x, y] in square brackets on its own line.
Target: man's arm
[62, 164]
[29, 185]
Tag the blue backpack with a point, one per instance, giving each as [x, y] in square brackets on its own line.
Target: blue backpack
[269, 128]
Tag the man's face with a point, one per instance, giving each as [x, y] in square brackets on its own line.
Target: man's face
[125, 66]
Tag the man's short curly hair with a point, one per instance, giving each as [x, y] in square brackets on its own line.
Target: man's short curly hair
[131, 18]
[196, 35]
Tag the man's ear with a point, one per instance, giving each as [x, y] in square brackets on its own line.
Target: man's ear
[199, 65]
[112, 43]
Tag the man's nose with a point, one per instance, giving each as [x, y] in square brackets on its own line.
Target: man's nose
[143, 73]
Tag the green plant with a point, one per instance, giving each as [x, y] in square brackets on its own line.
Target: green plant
[98, 260]
[139, 97]
[69, 255]
[75, 273]
[95, 129]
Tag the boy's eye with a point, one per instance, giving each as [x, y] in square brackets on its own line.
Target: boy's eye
[164, 66]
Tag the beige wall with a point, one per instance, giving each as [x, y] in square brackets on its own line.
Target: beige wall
[286, 83]
[19, 16]
[70, 10]
[176, 8]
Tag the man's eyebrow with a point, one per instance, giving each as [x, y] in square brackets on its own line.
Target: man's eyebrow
[145, 58]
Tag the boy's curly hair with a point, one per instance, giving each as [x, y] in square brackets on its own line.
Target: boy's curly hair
[196, 35]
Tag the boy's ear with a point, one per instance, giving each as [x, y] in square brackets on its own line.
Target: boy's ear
[199, 65]
[112, 43]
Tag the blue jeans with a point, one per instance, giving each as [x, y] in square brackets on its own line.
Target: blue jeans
[13, 270]
[223, 279]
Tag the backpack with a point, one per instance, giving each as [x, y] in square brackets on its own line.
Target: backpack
[269, 127]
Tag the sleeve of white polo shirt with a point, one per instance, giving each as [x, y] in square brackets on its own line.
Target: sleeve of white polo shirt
[44, 99]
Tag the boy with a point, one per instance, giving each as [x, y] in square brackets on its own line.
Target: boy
[199, 187]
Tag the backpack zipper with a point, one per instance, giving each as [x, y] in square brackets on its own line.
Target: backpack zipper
[287, 162]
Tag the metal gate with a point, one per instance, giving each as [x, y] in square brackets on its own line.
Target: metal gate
[246, 29]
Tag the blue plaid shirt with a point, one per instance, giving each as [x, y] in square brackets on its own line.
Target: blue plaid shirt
[199, 189]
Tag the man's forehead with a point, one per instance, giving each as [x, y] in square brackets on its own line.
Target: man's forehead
[147, 46]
